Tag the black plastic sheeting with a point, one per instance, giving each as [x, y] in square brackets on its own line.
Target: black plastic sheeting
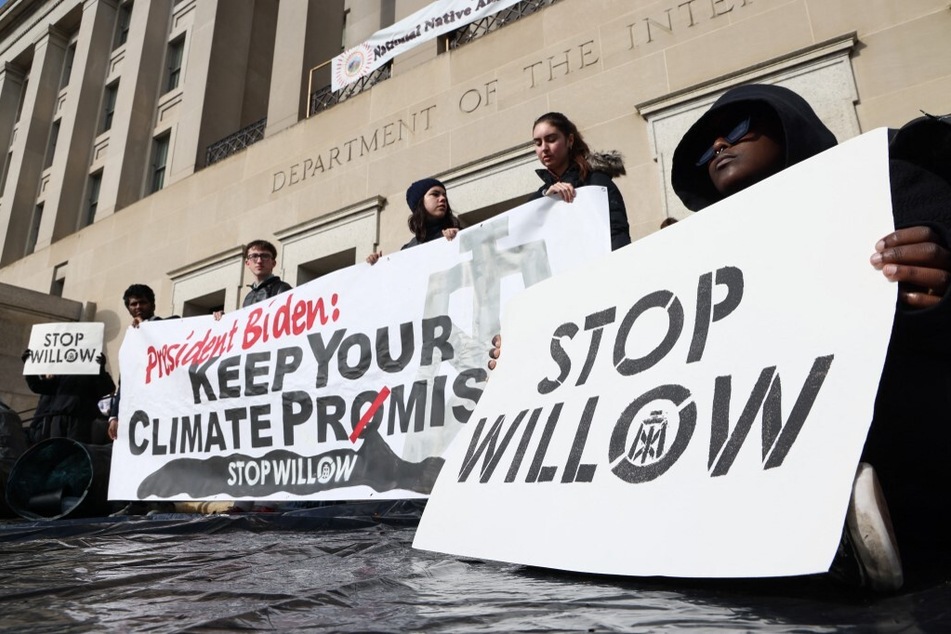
[352, 568]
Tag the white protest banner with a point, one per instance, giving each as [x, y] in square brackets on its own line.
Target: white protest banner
[66, 348]
[425, 25]
[348, 387]
[693, 405]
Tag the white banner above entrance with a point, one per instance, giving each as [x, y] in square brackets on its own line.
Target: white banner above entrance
[426, 24]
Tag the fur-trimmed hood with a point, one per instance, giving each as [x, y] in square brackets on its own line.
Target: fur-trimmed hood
[605, 166]
[611, 163]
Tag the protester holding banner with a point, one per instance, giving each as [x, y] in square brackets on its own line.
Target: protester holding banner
[569, 163]
[139, 300]
[73, 401]
[753, 132]
[431, 216]
[261, 258]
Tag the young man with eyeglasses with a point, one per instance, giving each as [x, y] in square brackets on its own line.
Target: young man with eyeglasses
[260, 256]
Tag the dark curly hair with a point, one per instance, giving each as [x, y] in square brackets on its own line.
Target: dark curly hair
[138, 290]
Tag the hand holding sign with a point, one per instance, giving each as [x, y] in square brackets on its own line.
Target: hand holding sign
[915, 258]
[64, 348]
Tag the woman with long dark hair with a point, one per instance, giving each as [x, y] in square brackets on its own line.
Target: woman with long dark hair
[431, 215]
[570, 163]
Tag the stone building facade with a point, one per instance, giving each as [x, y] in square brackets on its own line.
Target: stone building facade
[148, 140]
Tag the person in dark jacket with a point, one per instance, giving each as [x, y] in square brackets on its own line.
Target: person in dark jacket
[139, 300]
[430, 217]
[753, 132]
[569, 163]
[73, 401]
[260, 257]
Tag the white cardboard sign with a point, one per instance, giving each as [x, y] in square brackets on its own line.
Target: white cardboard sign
[348, 387]
[693, 405]
[66, 348]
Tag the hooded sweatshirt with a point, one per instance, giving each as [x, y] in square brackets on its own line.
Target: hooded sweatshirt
[909, 442]
[805, 136]
[605, 166]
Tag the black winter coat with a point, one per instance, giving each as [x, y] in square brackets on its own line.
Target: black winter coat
[73, 403]
[266, 290]
[605, 166]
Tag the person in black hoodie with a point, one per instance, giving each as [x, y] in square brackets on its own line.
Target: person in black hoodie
[569, 163]
[755, 131]
[73, 401]
[431, 216]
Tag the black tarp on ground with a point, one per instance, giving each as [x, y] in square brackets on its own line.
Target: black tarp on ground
[351, 568]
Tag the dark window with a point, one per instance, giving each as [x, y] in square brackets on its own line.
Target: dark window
[109, 105]
[59, 280]
[68, 65]
[6, 170]
[26, 82]
[34, 229]
[174, 63]
[159, 158]
[123, 19]
[309, 271]
[51, 148]
[92, 200]
[204, 305]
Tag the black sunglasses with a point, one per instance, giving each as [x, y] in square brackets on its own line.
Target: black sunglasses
[737, 133]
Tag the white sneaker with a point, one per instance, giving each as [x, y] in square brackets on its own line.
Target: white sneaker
[870, 532]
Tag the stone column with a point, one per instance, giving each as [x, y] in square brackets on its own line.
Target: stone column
[228, 78]
[11, 87]
[11, 83]
[79, 122]
[219, 29]
[130, 143]
[308, 34]
[29, 147]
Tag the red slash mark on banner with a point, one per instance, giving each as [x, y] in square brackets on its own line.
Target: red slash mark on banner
[369, 413]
